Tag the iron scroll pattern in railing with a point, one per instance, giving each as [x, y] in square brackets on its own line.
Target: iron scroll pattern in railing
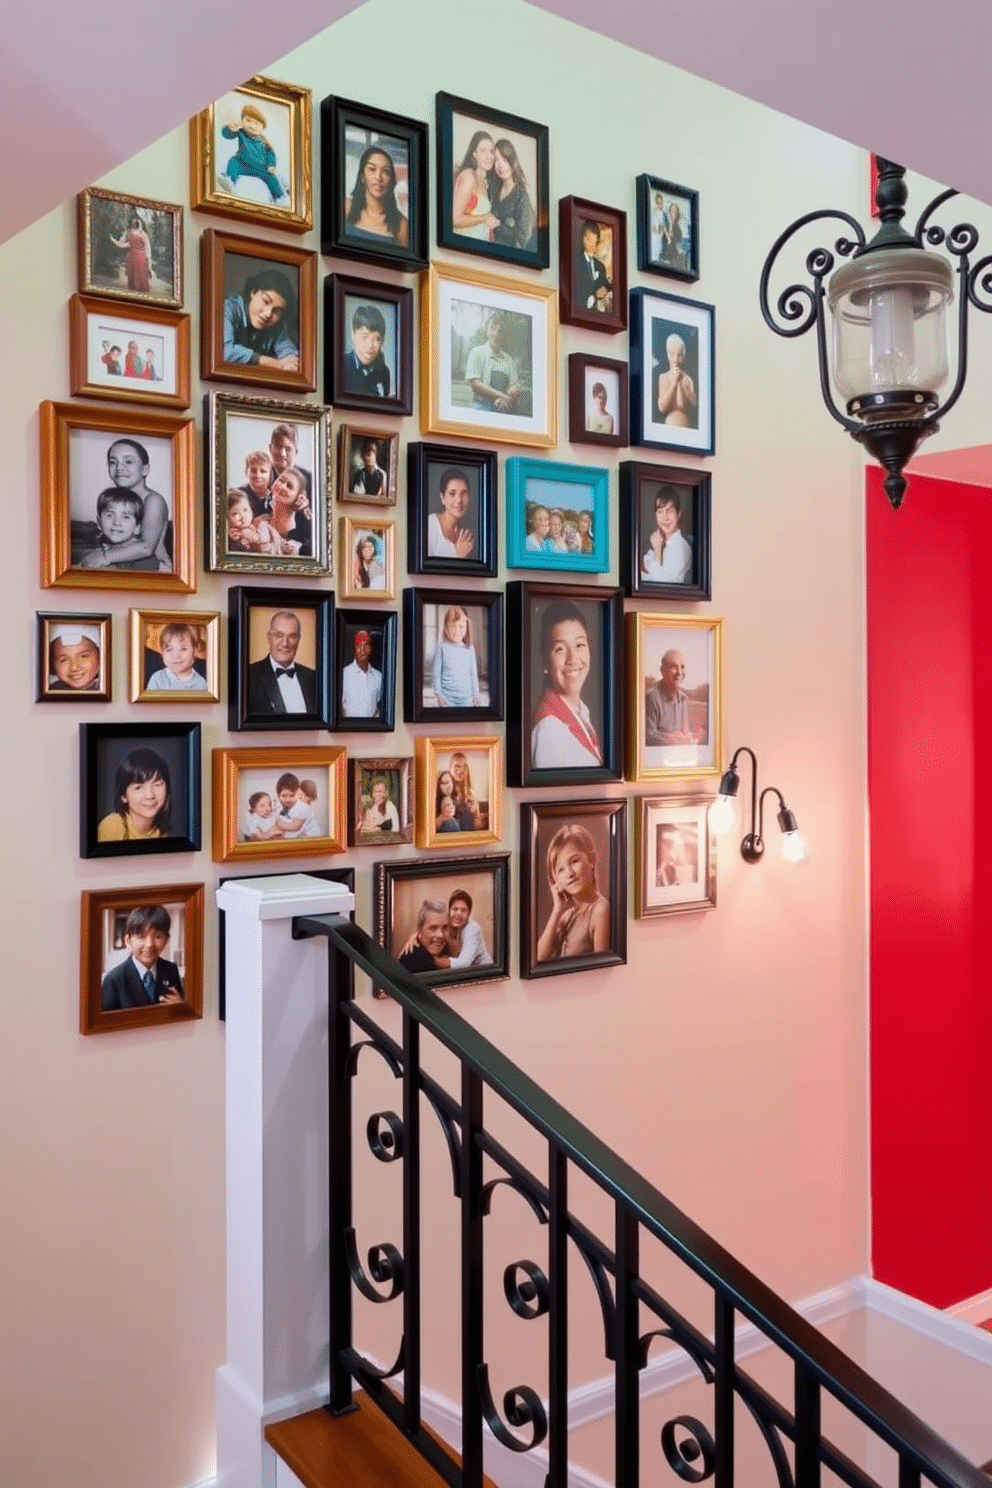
[693, 1450]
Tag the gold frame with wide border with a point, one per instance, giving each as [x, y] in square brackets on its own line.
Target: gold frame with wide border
[683, 762]
[426, 752]
[202, 163]
[226, 765]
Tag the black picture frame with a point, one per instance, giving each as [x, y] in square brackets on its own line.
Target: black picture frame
[689, 493]
[585, 373]
[424, 615]
[395, 894]
[347, 131]
[254, 696]
[73, 651]
[552, 827]
[457, 121]
[344, 297]
[605, 282]
[668, 335]
[381, 628]
[128, 755]
[530, 703]
[427, 466]
[657, 252]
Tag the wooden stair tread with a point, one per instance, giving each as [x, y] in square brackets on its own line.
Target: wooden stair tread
[360, 1450]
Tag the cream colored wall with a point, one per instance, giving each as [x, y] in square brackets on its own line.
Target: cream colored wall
[727, 1060]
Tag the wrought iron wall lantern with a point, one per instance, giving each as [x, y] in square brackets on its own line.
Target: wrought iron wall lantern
[721, 815]
[889, 343]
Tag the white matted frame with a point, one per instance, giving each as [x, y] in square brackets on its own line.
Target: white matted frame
[671, 372]
[675, 856]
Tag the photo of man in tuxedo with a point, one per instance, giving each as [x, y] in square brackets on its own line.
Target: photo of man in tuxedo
[593, 286]
[146, 977]
[278, 683]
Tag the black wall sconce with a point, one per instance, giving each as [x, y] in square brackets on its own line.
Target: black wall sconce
[721, 815]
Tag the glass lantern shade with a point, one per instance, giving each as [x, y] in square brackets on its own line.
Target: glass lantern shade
[889, 313]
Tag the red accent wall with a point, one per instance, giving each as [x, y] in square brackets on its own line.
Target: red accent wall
[929, 569]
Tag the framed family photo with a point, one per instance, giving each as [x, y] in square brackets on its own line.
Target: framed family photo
[116, 498]
[453, 655]
[675, 854]
[489, 357]
[674, 696]
[451, 522]
[258, 312]
[367, 465]
[173, 656]
[368, 344]
[563, 714]
[268, 464]
[671, 372]
[573, 892]
[445, 920]
[130, 247]
[141, 957]
[459, 796]
[665, 513]
[365, 671]
[278, 803]
[381, 802]
[368, 558]
[249, 155]
[597, 400]
[492, 183]
[592, 265]
[134, 355]
[74, 658]
[373, 185]
[667, 228]
[139, 789]
[557, 515]
[279, 658]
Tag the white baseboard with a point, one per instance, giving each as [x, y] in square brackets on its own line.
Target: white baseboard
[977, 1309]
[951, 1328]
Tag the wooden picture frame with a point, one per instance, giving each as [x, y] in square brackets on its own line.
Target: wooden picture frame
[557, 515]
[675, 854]
[674, 696]
[400, 890]
[452, 654]
[250, 156]
[365, 636]
[364, 574]
[548, 740]
[475, 815]
[592, 265]
[573, 890]
[381, 791]
[74, 657]
[113, 259]
[368, 344]
[516, 386]
[672, 355]
[515, 228]
[139, 788]
[166, 919]
[173, 656]
[665, 531]
[151, 364]
[263, 642]
[370, 152]
[451, 510]
[667, 240]
[250, 444]
[120, 459]
[598, 398]
[243, 776]
[249, 280]
[368, 465]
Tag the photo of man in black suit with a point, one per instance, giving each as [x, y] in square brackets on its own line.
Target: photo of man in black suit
[279, 683]
[593, 286]
[145, 978]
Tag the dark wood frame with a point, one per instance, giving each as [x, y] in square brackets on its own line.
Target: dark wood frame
[414, 710]
[84, 216]
[592, 479]
[214, 245]
[336, 115]
[573, 210]
[94, 903]
[93, 737]
[391, 437]
[203, 196]
[387, 875]
[421, 494]
[387, 622]
[521, 597]
[694, 486]
[578, 364]
[241, 601]
[337, 287]
[81, 307]
[226, 765]
[138, 689]
[531, 868]
[403, 764]
[45, 621]
[702, 439]
[498, 120]
[647, 185]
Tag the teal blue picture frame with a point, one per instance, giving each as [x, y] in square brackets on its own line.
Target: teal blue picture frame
[572, 490]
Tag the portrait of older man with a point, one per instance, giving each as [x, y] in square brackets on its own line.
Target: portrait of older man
[278, 683]
[667, 706]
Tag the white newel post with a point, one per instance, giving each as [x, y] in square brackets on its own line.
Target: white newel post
[276, 1166]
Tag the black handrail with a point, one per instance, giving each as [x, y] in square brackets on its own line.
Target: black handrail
[639, 1205]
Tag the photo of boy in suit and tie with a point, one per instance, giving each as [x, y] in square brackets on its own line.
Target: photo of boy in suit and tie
[145, 977]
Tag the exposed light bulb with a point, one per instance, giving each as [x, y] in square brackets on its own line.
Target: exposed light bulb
[721, 815]
[795, 848]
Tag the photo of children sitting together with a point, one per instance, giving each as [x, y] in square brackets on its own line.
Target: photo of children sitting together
[290, 811]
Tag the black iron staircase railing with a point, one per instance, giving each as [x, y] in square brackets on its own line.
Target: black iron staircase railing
[695, 1451]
